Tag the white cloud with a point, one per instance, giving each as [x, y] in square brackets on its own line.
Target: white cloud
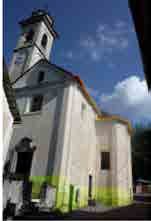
[115, 36]
[124, 43]
[90, 47]
[88, 42]
[102, 43]
[120, 24]
[106, 40]
[95, 55]
[130, 97]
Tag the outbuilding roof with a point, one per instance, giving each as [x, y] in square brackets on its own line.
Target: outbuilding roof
[143, 181]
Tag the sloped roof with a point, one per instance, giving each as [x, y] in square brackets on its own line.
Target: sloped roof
[118, 119]
[39, 15]
[102, 115]
[72, 76]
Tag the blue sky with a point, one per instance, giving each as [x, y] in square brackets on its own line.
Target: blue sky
[97, 42]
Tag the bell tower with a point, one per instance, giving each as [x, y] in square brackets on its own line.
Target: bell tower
[35, 42]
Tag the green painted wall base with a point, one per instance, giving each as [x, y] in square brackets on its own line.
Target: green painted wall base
[70, 197]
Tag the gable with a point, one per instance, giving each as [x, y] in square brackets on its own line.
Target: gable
[51, 74]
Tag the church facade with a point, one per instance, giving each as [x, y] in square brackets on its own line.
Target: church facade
[66, 152]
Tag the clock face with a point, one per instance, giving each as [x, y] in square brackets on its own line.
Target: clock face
[20, 59]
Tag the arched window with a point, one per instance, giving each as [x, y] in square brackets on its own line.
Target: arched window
[30, 35]
[44, 41]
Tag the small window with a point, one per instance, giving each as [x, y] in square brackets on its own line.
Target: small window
[90, 186]
[105, 160]
[30, 35]
[36, 103]
[44, 41]
[41, 76]
[83, 108]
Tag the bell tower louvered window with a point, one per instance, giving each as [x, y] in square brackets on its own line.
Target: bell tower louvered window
[44, 41]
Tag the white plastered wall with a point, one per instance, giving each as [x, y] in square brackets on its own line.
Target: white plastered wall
[79, 146]
[39, 127]
[31, 53]
[115, 138]
[36, 55]
[7, 126]
[123, 148]
[104, 144]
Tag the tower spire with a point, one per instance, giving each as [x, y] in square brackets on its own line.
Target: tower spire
[34, 43]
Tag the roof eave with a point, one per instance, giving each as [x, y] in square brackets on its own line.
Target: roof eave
[119, 119]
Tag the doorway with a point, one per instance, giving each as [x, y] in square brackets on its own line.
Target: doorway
[90, 187]
[24, 162]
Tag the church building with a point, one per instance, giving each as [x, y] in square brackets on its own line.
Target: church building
[66, 152]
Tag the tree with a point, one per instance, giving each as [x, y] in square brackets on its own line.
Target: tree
[141, 152]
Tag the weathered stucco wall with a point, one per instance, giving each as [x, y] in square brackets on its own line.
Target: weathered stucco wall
[115, 184]
[69, 142]
[39, 126]
[79, 151]
[105, 178]
[84, 139]
[124, 164]
[104, 136]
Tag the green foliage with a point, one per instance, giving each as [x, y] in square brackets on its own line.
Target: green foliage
[141, 152]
